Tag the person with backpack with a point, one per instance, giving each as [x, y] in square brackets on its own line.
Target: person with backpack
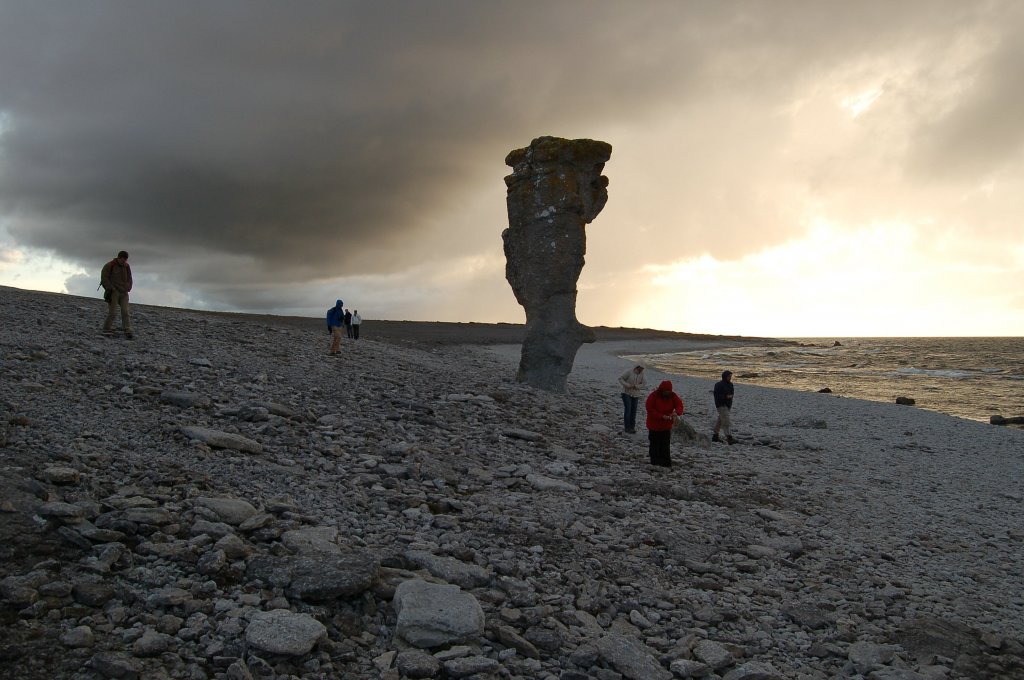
[664, 407]
[335, 322]
[116, 279]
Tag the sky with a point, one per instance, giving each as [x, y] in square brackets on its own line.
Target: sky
[781, 168]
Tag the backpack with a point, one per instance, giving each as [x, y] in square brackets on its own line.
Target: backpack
[104, 273]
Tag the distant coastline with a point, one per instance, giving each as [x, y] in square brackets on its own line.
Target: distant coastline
[446, 332]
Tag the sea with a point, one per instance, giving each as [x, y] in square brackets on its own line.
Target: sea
[973, 378]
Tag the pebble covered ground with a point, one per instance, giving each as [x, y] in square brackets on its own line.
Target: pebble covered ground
[218, 498]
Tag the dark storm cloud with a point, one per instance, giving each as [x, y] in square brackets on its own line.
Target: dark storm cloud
[296, 138]
[239, 145]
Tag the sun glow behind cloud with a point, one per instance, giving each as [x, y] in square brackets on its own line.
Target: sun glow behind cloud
[878, 280]
[858, 104]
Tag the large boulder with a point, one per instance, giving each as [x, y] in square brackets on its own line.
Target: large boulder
[555, 190]
[283, 632]
[436, 615]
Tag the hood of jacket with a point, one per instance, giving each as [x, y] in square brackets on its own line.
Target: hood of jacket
[665, 386]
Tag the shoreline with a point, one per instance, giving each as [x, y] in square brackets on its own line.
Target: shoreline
[600, 360]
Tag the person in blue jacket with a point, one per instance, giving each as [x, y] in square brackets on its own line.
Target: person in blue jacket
[335, 323]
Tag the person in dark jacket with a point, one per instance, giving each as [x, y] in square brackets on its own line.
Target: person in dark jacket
[348, 323]
[335, 322]
[116, 279]
[723, 404]
[663, 409]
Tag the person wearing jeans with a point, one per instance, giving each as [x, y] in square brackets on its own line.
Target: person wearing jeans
[634, 385]
[335, 322]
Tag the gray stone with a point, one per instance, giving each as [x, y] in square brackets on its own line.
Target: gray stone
[525, 435]
[386, 660]
[555, 190]
[168, 597]
[283, 632]
[214, 529]
[92, 594]
[688, 668]
[927, 637]
[754, 670]
[684, 434]
[865, 656]
[79, 636]
[898, 674]
[230, 510]
[234, 547]
[450, 569]
[61, 475]
[222, 440]
[238, 670]
[323, 576]
[59, 510]
[633, 659]
[155, 516]
[415, 663]
[312, 539]
[115, 665]
[713, 654]
[542, 483]
[212, 562]
[185, 399]
[280, 410]
[94, 533]
[436, 615]
[809, 615]
[153, 643]
[510, 638]
[470, 665]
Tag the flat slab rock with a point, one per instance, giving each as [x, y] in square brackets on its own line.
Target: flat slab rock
[222, 440]
[232, 511]
[450, 569]
[525, 435]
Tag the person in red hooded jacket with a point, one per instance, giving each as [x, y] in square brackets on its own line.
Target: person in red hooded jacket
[663, 409]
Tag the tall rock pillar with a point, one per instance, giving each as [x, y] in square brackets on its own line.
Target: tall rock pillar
[556, 188]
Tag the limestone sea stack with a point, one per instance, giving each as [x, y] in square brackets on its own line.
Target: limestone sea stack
[556, 188]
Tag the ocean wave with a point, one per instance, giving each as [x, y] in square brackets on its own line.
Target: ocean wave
[935, 373]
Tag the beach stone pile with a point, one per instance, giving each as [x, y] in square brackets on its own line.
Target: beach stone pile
[556, 188]
[218, 498]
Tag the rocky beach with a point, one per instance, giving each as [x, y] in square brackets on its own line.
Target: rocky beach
[218, 498]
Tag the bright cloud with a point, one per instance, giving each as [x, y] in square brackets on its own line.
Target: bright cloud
[882, 280]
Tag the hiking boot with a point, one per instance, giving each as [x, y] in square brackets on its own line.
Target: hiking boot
[129, 335]
[715, 438]
[731, 440]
